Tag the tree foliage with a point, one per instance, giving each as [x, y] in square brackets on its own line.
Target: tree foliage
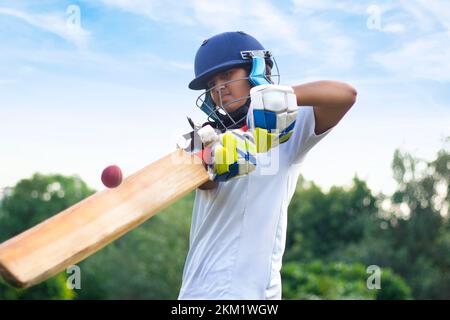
[337, 280]
[407, 233]
[28, 203]
[332, 237]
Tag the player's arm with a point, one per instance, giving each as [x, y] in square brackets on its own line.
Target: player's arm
[330, 100]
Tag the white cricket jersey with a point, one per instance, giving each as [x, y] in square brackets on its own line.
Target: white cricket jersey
[238, 230]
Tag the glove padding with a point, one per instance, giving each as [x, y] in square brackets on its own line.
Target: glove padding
[230, 155]
[271, 116]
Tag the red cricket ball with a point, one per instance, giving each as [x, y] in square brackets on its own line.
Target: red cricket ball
[112, 176]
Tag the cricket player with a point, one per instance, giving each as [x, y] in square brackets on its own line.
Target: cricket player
[265, 130]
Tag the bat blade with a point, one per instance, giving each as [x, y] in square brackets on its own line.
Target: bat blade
[79, 231]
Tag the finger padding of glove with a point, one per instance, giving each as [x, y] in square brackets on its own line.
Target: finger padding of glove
[264, 140]
[225, 154]
[235, 155]
[272, 108]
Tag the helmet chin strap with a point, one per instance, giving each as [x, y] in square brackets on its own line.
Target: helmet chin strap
[238, 117]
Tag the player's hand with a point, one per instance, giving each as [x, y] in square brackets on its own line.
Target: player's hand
[230, 155]
[271, 116]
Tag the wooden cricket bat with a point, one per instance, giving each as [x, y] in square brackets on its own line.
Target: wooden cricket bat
[77, 232]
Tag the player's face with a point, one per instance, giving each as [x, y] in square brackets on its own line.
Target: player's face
[230, 88]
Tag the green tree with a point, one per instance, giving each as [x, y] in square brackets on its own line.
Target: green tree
[321, 223]
[417, 226]
[33, 200]
[411, 234]
[410, 237]
[55, 288]
[29, 202]
[337, 280]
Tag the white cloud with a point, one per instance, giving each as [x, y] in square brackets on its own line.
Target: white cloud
[257, 17]
[439, 10]
[422, 51]
[424, 58]
[422, 29]
[418, 15]
[310, 38]
[167, 11]
[289, 32]
[53, 23]
[311, 7]
[394, 28]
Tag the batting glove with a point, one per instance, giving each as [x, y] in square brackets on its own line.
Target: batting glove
[228, 155]
[271, 116]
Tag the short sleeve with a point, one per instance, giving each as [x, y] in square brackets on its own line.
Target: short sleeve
[303, 137]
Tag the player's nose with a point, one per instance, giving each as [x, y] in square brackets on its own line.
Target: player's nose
[221, 88]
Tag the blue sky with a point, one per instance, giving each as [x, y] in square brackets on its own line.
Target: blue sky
[74, 99]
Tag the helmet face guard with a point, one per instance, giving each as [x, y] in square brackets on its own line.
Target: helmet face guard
[257, 76]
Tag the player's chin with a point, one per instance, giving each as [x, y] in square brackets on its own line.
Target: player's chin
[230, 107]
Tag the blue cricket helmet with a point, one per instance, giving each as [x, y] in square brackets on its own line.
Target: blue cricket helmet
[224, 51]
